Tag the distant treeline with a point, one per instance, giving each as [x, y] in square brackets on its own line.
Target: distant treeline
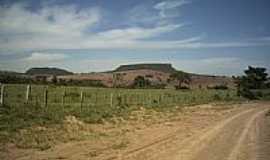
[24, 79]
[19, 79]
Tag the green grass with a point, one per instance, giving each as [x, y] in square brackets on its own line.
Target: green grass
[99, 104]
[15, 94]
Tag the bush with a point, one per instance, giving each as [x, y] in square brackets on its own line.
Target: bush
[182, 88]
[217, 97]
[141, 82]
[218, 87]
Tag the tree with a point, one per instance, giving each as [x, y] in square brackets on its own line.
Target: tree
[141, 82]
[54, 79]
[181, 78]
[254, 79]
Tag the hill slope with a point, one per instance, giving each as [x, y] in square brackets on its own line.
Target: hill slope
[167, 68]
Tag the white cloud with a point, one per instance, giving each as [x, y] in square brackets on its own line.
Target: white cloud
[137, 32]
[218, 65]
[48, 21]
[67, 27]
[142, 14]
[49, 27]
[36, 59]
[45, 57]
[168, 5]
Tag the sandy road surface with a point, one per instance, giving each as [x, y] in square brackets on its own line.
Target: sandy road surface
[245, 135]
[230, 133]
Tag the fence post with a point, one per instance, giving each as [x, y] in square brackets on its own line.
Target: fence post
[46, 97]
[81, 100]
[138, 102]
[63, 96]
[111, 100]
[160, 99]
[28, 92]
[2, 100]
[96, 98]
[150, 99]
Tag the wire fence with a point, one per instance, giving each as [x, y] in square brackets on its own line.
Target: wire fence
[87, 96]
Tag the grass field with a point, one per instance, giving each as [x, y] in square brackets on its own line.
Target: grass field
[95, 104]
[91, 105]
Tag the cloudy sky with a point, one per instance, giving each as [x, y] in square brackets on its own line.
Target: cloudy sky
[220, 37]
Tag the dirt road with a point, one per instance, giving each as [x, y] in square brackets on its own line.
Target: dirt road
[245, 135]
[240, 132]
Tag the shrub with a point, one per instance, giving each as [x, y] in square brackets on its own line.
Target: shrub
[182, 87]
[141, 82]
[218, 87]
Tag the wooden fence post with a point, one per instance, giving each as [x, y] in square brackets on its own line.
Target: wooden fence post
[2, 98]
[160, 99]
[111, 100]
[81, 100]
[46, 97]
[150, 99]
[138, 102]
[28, 92]
[64, 96]
[96, 98]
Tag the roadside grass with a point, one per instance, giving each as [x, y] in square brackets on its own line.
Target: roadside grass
[33, 125]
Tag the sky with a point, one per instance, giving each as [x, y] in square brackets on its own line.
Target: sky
[219, 37]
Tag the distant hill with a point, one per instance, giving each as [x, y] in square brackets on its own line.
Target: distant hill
[156, 73]
[10, 73]
[167, 68]
[47, 71]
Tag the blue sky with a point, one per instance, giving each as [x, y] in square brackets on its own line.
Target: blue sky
[220, 37]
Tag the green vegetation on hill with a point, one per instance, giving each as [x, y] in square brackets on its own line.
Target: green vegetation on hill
[48, 71]
[155, 66]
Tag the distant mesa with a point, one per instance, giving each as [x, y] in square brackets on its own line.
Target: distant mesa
[167, 68]
[47, 71]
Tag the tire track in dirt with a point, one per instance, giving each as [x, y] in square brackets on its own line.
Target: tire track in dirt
[225, 141]
[239, 135]
[217, 143]
[263, 137]
[170, 146]
[236, 149]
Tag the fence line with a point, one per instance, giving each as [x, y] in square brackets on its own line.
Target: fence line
[63, 96]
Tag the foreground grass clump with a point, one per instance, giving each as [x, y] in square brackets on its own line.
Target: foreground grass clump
[30, 126]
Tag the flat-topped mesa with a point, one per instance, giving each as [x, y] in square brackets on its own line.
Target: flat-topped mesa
[163, 67]
[47, 71]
